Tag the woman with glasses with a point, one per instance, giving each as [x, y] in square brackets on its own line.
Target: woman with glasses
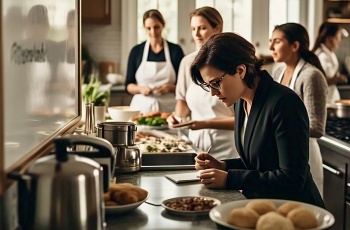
[303, 73]
[271, 125]
[211, 120]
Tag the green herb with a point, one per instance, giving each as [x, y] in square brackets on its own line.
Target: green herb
[92, 93]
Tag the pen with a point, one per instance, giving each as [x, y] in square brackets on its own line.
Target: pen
[208, 151]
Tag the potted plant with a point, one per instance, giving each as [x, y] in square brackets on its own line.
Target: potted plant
[95, 92]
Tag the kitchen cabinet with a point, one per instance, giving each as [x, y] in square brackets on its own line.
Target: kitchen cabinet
[336, 162]
[96, 12]
[119, 97]
[336, 11]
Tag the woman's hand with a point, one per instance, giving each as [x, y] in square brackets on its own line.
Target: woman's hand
[164, 89]
[213, 178]
[341, 78]
[207, 161]
[145, 90]
[172, 120]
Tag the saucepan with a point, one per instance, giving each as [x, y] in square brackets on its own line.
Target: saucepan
[341, 109]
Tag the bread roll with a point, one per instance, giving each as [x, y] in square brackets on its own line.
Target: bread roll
[243, 217]
[274, 221]
[285, 208]
[261, 206]
[111, 203]
[127, 197]
[302, 218]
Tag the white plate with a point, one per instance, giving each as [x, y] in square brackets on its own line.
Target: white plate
[220, 213]
[149, 127]
[188, 213]
[124, 208]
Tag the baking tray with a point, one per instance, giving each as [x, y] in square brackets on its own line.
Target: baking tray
[167, 160]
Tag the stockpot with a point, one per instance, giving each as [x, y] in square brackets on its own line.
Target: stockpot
[342, 108]
[117, 133]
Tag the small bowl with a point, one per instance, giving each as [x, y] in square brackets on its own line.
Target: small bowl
[122, 113]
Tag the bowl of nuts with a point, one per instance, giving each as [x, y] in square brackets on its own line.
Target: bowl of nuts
[190, 205]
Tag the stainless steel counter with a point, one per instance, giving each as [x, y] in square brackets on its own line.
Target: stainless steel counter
[152, 216]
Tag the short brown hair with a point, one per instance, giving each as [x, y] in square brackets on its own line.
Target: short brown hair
[155, 14]
[210, 14]
[225, 51]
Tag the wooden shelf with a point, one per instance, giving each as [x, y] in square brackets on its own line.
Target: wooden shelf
[338, 20]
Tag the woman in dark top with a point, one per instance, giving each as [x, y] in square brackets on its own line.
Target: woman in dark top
[152, 68]
[272, 139]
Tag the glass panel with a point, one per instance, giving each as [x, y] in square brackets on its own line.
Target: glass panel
[236, 14]
[169, 10]
[288, 11]
[39, 75]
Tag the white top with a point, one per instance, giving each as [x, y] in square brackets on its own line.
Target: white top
[330, 65]
[203, 106]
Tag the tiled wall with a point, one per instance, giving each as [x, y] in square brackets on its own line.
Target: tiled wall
[104, 41]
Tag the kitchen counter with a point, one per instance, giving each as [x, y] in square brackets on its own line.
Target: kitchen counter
[150, 215]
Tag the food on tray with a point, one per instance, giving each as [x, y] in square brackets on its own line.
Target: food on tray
[302, 218]
[149, 143]
[263, 214]
[243, 217]
[124, 193]
[191, 204]
[154, 118]
[261, 206]
[274, 221]
[285, 208]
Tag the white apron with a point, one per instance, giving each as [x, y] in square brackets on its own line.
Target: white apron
[153, 74]
[39, 74]
[203, 106]
[315, 157]
[64, 97]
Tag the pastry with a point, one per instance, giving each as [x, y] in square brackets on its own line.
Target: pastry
[274, 221]
[285, 208]
[243, 217]
[261, 206]
[302, 218]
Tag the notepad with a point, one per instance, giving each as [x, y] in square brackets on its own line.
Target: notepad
[183, 177]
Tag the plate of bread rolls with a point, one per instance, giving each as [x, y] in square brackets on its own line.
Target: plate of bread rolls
[270, 214]
[123, 197]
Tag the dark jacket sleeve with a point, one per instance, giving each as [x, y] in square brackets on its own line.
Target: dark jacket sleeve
[279, 150]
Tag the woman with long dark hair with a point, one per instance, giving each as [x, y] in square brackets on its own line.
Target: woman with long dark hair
[327, 42]
[304, 74]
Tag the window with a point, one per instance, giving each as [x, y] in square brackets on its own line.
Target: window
[236, 14]
[169, 10]
[282, 11]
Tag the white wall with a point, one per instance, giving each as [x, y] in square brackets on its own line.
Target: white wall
[104, 41]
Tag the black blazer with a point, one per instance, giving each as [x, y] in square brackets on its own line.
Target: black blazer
[275, 153]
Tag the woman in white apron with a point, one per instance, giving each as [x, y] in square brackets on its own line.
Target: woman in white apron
[212, 121]
[152, 81]
[154, 74]
[303, 74]
[327, 41]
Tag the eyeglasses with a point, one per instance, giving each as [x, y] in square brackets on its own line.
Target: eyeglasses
[215, 85]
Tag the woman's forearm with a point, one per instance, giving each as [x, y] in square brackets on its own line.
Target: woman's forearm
[181, 109]
[216, 123]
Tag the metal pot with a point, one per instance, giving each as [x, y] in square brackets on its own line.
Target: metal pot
[64, 190]
[342, 108]
[118, 133]
[129, 159]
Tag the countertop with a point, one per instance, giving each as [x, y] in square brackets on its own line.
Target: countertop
[148, 216]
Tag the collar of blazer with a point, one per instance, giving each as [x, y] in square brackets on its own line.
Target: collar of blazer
[258, 102]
